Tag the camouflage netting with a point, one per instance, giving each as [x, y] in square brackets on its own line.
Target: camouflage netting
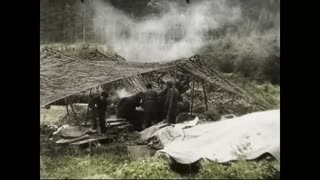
[63, 76]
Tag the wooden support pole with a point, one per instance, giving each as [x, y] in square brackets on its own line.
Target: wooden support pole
[66, 102]
[192, 96]
[232, 101]
[74, 113]
[205, 96]
[87, 117]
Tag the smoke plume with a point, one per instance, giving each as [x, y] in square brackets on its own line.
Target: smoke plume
[175, 32]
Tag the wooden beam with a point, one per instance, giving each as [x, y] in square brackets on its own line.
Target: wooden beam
[205, 95]
[192, 96]
[87, 117]
[172, 94]
[74, 113]
[232, 101]
[66, 102]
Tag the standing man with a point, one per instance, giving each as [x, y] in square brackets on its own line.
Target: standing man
[172, 93]
[98, 106]
[150, 106]
[162, 96]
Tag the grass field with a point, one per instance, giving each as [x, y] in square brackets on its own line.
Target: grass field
[111, 161]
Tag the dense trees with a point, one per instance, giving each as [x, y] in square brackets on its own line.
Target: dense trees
[62, 20]
[249, 47]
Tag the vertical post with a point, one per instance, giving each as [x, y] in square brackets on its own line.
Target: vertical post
[172, 94]
[205, 96]
[66, 102]
[232, 100]
[74, 113]
[87, 117]
[192, 96]
[84, 22]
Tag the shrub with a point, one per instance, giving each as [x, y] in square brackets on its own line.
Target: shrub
[152, 168]
[241, 169]
[271, 69]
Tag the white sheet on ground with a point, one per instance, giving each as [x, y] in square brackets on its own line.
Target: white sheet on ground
[250, 135]
[166, 134]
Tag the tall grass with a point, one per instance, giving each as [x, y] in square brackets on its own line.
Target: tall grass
[111, 161]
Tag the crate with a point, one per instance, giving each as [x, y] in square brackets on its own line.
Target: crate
[140, 151]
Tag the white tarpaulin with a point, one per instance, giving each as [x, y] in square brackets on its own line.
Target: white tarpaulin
[250, 135]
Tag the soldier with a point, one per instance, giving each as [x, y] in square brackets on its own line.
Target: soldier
[98, 106]
[162, 96]
[150, 107]
[126, 109]
[172, 96]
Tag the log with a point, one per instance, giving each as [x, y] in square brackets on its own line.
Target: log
[83, 141]
[118, 123]
[64, 141]
[115, 120]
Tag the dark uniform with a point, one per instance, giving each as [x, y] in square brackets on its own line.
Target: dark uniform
[162, 96]
[98, 109]
[176, 97]
[126, 109]
[150, 108]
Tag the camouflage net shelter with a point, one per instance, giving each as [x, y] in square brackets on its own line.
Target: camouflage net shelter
[63, 75]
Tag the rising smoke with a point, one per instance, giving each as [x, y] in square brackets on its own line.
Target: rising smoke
[123, 93]
[174, 33]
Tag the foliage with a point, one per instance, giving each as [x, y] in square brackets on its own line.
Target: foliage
[239, 170]
[256, 57]
[111, 161]
[108, 165]
[150, 168]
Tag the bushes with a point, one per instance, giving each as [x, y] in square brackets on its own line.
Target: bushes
[271, 69]
[239, 170]
[248, 67]
[68, 165]
[255, 55]
[114, 165]
[151, 168]
[227, 66]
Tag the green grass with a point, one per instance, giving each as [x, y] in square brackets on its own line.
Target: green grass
[104, 166]
[241, 169]
[111, 161]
